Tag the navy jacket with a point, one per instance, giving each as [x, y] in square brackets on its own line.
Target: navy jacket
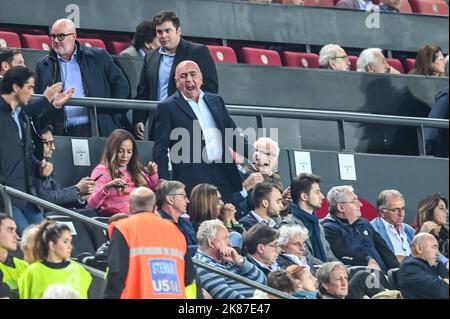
[353, 244]
[101, 78]
[176, 113]
[50, 190]
[418, 280]
[184, 226]
[436, 139]
[148, 83]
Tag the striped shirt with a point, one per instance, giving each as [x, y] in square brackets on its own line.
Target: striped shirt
[221, 287]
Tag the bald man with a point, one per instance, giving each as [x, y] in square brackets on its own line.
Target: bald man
[148, 255]
[198, 148]
[421, 275]
[91, 71]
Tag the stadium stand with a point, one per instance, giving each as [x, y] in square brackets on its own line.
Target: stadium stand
[299, 59]
[96, 43]
[434, 7]
[222, 54]
[35, 41]
[9, 40]
[260, 56]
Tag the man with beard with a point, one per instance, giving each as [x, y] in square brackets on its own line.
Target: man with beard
[268, 204]
[307, 197]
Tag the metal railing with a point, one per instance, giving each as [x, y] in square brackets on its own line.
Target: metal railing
[279, 112]
[6, 192]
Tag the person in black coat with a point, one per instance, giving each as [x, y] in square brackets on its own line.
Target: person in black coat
[48, 188]
[436, 139]
[157, 80]
[93, 74]
[197, 162]
[421, 275]
[17, 162]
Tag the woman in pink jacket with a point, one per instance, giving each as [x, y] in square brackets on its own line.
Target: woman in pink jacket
[118, 174]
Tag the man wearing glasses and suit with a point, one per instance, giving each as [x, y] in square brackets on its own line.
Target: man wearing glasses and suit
[91, 71]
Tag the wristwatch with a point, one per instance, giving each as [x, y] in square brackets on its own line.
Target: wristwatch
[240, 261]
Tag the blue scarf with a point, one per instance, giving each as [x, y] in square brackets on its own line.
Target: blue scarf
[311, 222]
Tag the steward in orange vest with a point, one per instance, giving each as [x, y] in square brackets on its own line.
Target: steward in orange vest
[147, 255]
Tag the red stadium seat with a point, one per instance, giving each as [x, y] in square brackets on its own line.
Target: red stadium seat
[37, 42]
[368, 211]
[300, 59]
[222, 54]
[319, 3]
[96, 43]
[9, 40]
[409, 64]
[434, 7]
[352, 59]
[118, 46]
[396, 64]
[260, 56]
[406, 7]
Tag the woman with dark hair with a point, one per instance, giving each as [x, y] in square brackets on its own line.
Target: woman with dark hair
[429, 61]
[119, 173]
[431, 217]
[52, 248]
[205, 203]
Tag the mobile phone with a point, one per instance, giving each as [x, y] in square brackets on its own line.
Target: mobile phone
[97, 178]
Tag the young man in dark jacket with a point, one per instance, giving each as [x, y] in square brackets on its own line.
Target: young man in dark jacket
[17, 162]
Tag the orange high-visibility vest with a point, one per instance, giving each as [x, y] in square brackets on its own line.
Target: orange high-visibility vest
[156, 263]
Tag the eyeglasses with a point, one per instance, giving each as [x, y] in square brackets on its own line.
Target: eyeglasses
[345, 57]
[60, 36]
[273, 245]
[48, 143]
[354, 201]
[180, 194]
[266, 154]
[396, 210]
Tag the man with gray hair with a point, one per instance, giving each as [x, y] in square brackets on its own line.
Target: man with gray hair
[291, 239]
[352, 238]
[215, 250]
[389, 224]
[421, 275]
[372, 60]
[171, 199]
[333, 57]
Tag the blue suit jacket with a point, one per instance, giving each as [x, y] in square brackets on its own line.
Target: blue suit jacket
[378, 225]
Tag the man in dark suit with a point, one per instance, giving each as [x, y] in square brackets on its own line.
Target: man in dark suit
[421, 275]
[157, 80]
[91, 72]
[196, 126]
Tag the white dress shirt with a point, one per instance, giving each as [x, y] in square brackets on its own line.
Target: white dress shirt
[399, 239]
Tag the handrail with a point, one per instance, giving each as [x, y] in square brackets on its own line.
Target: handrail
[7, 191]
[243, 280]
[324, 115]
